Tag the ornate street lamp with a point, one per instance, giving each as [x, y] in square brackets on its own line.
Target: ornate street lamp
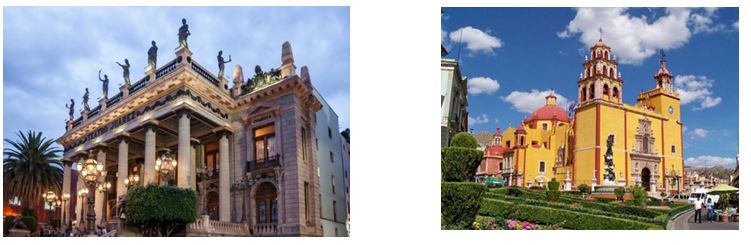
[90, 171]
[51, 198]
[132, 180]
[104, 188]
[165, 165]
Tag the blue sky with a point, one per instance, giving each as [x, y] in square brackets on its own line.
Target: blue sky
[514, 57]
[52, 53]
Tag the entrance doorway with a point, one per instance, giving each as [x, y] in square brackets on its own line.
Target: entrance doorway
[645, 178]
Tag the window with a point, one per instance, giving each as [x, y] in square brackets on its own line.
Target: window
[645, 144]
[15, 201]
[346, 174]
[336, 231]
[672, 148]
[264, 142]
[307, 201]
[331, 156]
[211, 158]
[333, 184]
[542, 167]
[266, 209]
[333, 208]
[329, 133]
[508, 144]
[545, 145]
[544, 126]
[521, 141]
[316, 143]
[534, 143]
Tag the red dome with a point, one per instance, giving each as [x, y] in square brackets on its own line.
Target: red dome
[548, 112]
[600, 43]
[495, 150]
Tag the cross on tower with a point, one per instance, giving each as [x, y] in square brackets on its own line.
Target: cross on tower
[600, 29]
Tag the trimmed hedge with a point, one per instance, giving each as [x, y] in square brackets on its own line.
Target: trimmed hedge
[459, 164]
[676, 210]
[567, 219]
[580, 209]
[464, 140]
[459, 203]
[160, 210]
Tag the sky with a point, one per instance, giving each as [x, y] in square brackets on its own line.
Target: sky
[514, 57]
[52, 53]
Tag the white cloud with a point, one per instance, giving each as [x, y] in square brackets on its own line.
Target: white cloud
[699, 133]
[710, 161]
[692, 88]
[476, 40]
[528, 102]
[478, 85]
[635, 38]
[735, 25]
[478, 120]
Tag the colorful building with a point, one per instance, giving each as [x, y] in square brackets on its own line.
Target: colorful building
[454, 102]
[550, 143]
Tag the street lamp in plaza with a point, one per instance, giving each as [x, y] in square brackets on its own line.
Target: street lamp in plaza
[104, 188]
[91, 171]
[132, 180]
[165, 165]
[51, 198]
[82, 193]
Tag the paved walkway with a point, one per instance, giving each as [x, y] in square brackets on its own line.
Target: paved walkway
[686, 222]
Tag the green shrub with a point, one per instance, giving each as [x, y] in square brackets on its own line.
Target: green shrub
[678, 209]
[28, 212]
[459, 203]
[30, 222]
[459, 164]
[160, 210]
[515, 191]
[619, 192]
[603, 200]
[584, 189]
[464, 140]
[553, 184]
[640, 195]
[567, 219]
[7, 222]
[553, 192]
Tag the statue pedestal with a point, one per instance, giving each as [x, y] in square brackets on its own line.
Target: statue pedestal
[85, 115]
[567, 185]
[622, 183]
[184, 53]
[223, 82]
[150, 72]
[125, 89]
[103, 104]
[69, 124]
[606, 187]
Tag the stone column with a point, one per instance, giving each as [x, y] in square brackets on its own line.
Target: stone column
[122, 167]
[98, 196]
[149, 175]
[183, 149]
[224, 197]
[65, 214]
[192, 176]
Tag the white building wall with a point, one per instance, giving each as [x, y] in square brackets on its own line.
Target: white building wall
[329, 155]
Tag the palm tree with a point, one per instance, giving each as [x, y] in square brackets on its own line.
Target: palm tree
[31, 167]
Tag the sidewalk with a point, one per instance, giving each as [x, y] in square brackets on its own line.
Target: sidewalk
[686, 222]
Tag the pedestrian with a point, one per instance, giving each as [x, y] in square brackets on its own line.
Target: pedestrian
[697, 211]
[710, 211]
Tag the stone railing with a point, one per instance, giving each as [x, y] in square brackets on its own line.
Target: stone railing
[263, 163]
[205, 74]
[264, 230]
[205, 226]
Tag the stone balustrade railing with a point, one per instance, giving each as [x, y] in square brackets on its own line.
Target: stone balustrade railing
[204, 225]
[264, 230]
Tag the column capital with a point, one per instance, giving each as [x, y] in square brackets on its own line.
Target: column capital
[195, 142]
[222, 132]
[123, 138]
[151, 125]
[184, 111]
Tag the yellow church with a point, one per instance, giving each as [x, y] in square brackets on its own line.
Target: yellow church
[550, 143]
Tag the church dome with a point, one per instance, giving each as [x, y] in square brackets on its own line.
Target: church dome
[495, 150]
[550, 111]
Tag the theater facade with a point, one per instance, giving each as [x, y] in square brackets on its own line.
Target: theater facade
[245, 145]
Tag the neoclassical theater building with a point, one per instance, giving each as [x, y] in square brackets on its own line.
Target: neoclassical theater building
[248, 148]
[570, 146]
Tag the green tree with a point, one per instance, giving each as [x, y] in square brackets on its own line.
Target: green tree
[31, 167]
[584, 189]
[160, 210]
[553, 192]
[619, 192]
[640, 195]
[459, 164]
[464, 140]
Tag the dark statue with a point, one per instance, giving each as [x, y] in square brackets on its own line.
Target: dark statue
[261, 79]
[86, 100]
[221, 62]
[152, 55]
[609, 171]
[126, 71]
[105, 83]
[183, 34]
[71, 108]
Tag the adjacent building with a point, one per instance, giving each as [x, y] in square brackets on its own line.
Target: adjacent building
[330, 170]
[551, 143]
[453, 99]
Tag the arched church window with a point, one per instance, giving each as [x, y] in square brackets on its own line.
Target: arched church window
[607, 55]
[605, 90]
[645, 144]
[584, 94]
[612, 73]
[615, 92]
[591, 91]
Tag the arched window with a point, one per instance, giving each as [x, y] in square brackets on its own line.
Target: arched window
[591, 91]
[612, 73]
[584, 94]
[605, 90]
[616, 93]
[266, 209]
[607, 55]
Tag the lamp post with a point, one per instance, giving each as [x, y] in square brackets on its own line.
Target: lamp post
[104, 188]
[90, 171]
[50, 197]
[132, 180]
[165, 166]
[82, 193]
